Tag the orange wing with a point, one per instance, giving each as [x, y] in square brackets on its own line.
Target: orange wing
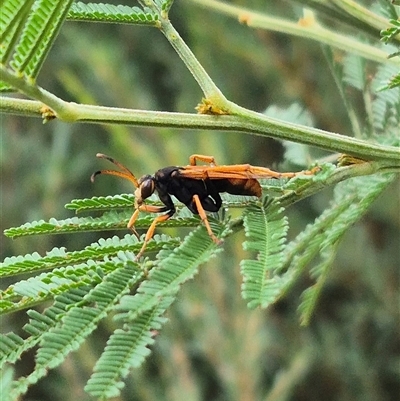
[236, 171]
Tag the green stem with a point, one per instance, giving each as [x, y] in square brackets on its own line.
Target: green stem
[207, 85]
[63, 110]
[308, 28]
[339, 175]
[362, 14]
[244, 121]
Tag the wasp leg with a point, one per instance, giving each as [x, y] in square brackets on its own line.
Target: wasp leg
[144, 208]
[150, 231]
[203, 217]
[206, 159]
[132, 220]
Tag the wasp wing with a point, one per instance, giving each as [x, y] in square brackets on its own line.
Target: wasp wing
[235, 171]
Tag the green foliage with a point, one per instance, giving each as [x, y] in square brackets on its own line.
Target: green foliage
[352, 200]
[389, 35]
[68, 294]
[101, 203]
[28, 29]
[126, 348]
[266, 233]
[83, 308]
[100, 12]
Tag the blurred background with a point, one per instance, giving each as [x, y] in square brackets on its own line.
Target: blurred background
[213, 347]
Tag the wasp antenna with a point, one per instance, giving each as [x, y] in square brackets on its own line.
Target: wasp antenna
[103, 156]
[93, 176]
[118, 164]
[126, 175]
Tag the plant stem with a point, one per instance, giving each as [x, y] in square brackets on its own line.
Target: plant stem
[339, 175]
[362, 14]
[207, 85]
[64, 110]
[307, 27]
[244, 121]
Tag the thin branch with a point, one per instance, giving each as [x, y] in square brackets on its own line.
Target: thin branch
[361, 13]
[209, 88]
[244, 121]
[306, 27]
[339, 175]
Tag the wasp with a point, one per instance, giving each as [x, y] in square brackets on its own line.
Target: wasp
[198, 187]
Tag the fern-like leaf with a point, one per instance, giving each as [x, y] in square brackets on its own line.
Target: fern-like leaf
[352, 200]
[13, 15]
[101, 203]
[354, 68]
[9, 345]
[389, 34]
[126, 348]
[142, 313]
[37, 35]
[112, 220]
[46, 286]
[39, 324]
[166, 5]
[173, 269]
[319, 273]
[386, 105]
[265, 230]
[101, 12]
[58, 257]
[80, 320]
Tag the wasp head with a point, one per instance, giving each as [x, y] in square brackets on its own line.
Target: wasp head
[145, 189]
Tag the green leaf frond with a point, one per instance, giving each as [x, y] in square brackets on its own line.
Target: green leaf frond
[102, 203]
[12, 18]
[142, 312]
[78, 268]
[350, 72]
[10, 343]
[393, 82]
[100, 12]
[126, 348]
[354, 68]
[266, 230]
[319, 273]
[108, 221]
[28, 30]
[121, 201]
[320, 239]
[13, 346]
[166, 5]
[382, 107]
[386, 105]
[58, 257]
[84, 293]
[35, 290]
[87, 308]
[173, 269]
[389, 34]
[12, 13]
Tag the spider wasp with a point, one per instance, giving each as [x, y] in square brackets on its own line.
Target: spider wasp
[196, 186]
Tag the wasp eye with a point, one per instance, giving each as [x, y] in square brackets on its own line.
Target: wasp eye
[146, 187]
